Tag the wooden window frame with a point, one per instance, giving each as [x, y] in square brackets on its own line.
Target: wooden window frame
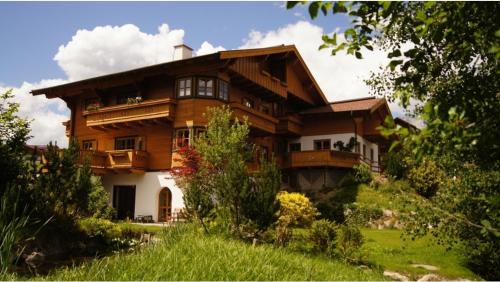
[291, 145]
[329, 141]
[221, 82]
[178, 88]
[175, 142]
[136, 145]
[205, 88]
[93, 143]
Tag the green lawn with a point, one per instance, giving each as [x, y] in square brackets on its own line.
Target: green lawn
[187, 254]
[387, 249]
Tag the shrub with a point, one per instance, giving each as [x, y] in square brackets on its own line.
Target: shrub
[362, 173]
[295, 210]
[101, 229]
[98, 204]
[426, 178]
[349, 242]
[323, 234]
[397, 163]
[361, 215]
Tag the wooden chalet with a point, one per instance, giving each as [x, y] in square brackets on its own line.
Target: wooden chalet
[131, 123]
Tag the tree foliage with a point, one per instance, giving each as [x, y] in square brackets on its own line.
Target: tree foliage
[444, 59]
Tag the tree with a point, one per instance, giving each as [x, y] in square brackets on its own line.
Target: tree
[444, 58]
[14, 132]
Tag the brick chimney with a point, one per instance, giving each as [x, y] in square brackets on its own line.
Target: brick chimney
[182, 52]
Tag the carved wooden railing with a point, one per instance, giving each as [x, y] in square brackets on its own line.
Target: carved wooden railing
[323, 158]
[149, 109]
[291, 124]
[257, 119]
[133, 159]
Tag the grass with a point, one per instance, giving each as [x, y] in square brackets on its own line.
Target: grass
[387, 196]
[185, 253]
[387, 249]
[140, 228]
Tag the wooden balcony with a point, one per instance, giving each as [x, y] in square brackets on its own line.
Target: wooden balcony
[117, 161]
[323, 158]
[256, 119]
[290, 125]
[67, 125]
[149, 111]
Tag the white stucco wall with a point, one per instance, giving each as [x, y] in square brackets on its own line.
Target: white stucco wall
[147, 190]
[307, 143]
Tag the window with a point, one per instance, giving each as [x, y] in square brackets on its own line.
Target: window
[181, 138]
[265, 108]
[92, 104]
[371, 155]
[205, 87]
[200, 131]
[322, 144]
[247, 102]
[295, 147]
[223, 90]
[364, 151]
[357, 147]
[129, 143]
[88, 145]
[184, 87]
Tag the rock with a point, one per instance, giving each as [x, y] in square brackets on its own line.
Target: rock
[380, 227]
[430, 277]
[388, 223]
[35, 259]
[387, 213]
[425, 266]
[145, 238]
[398, 224]
[395, 276]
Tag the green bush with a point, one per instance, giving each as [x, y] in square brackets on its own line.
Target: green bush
[426, 178]
[362, 173]
[360, 215]
[349, 242]
[397, 163]
[323, 234]
[101, 229]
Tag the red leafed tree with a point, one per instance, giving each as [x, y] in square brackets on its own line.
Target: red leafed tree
[190, 161]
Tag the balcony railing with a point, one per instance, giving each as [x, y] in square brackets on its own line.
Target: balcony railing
[290, 125]
[147, 110]
[323, 158]
[131, 160]
[257, 119]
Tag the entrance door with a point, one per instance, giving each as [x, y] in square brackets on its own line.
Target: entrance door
[124, 201]
[165, 205]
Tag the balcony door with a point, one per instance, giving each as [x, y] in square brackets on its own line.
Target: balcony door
[165, 205]
[124, 201]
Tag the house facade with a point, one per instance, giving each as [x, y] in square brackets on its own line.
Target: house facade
[130, 124]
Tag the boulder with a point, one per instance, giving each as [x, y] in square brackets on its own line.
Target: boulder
[430, 277]
[395, 276]
[35, 259]
[426, 267]
[387, 213]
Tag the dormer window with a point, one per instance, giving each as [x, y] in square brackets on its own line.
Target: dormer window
[184, 86]
[205, 87]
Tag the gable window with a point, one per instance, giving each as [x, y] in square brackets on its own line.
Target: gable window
[181, 138]
[247, 102]
[88, 145]
[322, 144]
[295, 147]
[205, 87]
[223, 90]
[129, 143]
[184, 86]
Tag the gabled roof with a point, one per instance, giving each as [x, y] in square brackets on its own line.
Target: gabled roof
[222, 55]
[369, 104]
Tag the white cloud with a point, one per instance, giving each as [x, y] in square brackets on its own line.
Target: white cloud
[207, 48]
[46, 115]
[109, 49]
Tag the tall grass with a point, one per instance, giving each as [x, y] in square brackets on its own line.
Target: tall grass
[186, 253]
[14, 223]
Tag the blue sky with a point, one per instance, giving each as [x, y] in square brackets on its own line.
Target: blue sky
[32, 32]
[49, 43]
